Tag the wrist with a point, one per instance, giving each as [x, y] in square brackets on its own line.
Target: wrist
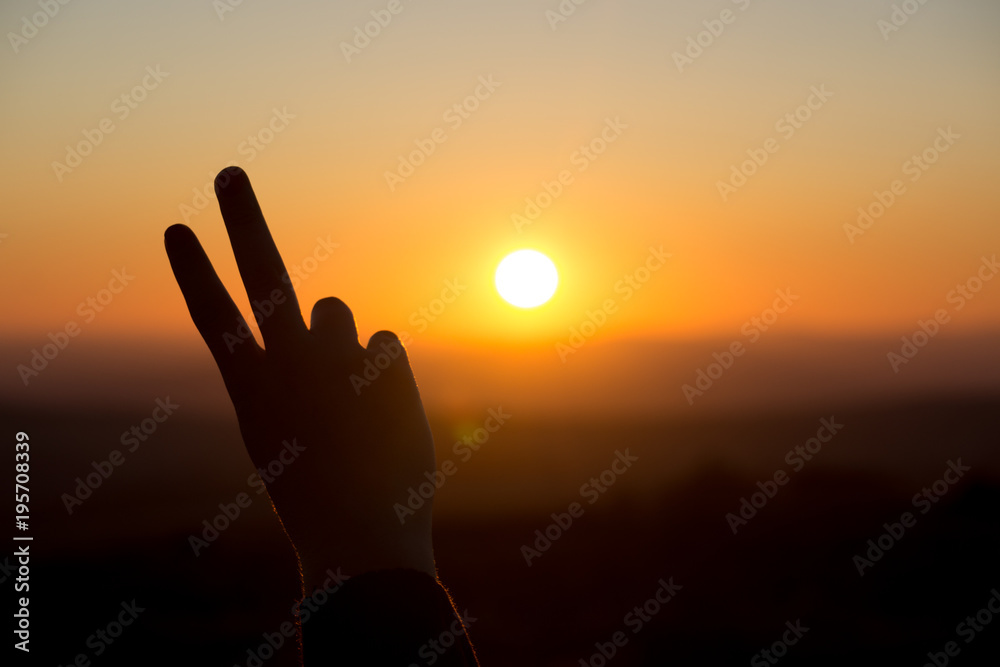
[323, 568]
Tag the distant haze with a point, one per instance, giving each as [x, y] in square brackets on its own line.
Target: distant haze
[619, 378]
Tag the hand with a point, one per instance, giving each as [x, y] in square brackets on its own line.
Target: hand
[364, 446]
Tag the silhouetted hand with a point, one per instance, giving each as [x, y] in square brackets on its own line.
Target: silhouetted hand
[363, 448]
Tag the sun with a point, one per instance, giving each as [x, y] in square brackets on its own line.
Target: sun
[526, 278]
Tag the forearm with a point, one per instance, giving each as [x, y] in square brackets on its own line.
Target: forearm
[386, 617]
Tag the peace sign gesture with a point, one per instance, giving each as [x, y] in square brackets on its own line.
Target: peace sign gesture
[346, 452]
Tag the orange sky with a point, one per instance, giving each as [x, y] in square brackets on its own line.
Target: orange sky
[329, 130]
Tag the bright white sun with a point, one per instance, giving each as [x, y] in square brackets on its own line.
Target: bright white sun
[526, 278]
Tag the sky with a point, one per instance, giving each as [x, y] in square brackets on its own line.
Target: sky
[735, 140]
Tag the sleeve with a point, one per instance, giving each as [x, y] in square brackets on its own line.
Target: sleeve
[389, 618]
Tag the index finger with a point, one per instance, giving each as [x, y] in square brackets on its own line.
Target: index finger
[264, 276]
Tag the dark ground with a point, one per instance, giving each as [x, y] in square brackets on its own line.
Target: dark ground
[664, 518]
